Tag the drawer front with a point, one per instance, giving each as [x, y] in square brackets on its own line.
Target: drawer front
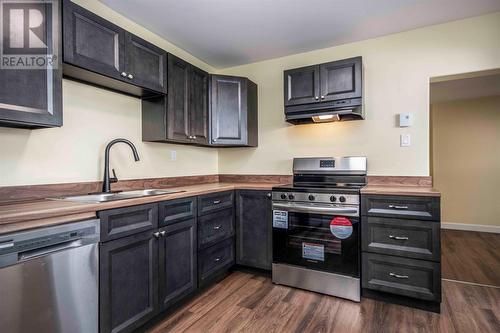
[177, 210]
[215, 201]
[419, 208]
[216, 258]
[120, 222]
[401, 276]
[215, 227]
[407, 238]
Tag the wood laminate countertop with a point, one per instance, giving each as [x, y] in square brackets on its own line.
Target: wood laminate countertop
[39, 213]
[400, 190]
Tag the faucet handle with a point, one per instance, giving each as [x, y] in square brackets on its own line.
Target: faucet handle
[113, 179]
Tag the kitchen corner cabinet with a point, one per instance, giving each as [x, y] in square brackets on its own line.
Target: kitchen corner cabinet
[253, 229]
[326, 82]
[32, 98]
[233, 111]
[100, 52]
[182, 115]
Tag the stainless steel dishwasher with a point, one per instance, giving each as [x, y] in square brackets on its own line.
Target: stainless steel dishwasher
[49, 279]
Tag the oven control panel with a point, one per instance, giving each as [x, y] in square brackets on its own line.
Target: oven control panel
[330, 198]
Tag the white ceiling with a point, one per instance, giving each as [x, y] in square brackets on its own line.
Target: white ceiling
[226, 33]
[464, 88]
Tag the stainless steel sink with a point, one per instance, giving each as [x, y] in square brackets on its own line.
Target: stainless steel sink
[104, 197]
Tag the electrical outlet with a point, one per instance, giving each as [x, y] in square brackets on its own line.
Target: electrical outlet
[405, 140]
[173, 155]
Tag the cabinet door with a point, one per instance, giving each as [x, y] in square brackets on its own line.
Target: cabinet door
[178, 100]
[302, 85]
[228, 110]
[92, 43]
[178, 265]
[198, 106]
[146, 64]
[32, 97]
[253, 228]
[128, 280]
[341, 79]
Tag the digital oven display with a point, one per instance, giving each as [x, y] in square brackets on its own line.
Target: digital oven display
[327, 163]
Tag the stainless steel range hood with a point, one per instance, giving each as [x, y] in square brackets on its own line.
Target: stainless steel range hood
[343, 110]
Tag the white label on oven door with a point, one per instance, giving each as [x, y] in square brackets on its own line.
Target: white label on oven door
[313, 251]
[280, 219]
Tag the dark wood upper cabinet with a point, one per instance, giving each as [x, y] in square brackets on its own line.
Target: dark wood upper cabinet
[178, 100]
[198, 106]
[93, 43]
[128, 282]
[341, 79]
[332, 81]
[302, 85]
[101, 53]
[233, 111]
[253, 229]
[32, 98]
[146, 64]
[178, 262]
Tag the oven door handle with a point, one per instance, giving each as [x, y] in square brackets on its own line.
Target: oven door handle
[350, 211]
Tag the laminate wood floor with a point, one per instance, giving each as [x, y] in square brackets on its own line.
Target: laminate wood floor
[470, 256]
[244, 302]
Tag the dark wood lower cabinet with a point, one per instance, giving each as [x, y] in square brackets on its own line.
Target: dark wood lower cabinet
[128, 282]
[178, 262]
[253, 229]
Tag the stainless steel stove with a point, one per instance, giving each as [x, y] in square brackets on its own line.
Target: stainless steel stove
[316, 226]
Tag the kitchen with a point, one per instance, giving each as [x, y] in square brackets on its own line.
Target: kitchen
[207, 247]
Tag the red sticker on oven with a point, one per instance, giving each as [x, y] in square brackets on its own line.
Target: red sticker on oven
[341, 227]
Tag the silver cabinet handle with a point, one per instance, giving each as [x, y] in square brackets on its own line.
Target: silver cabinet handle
[130, 76]
[194, 136]
[214, 140]
[216, 202]
[316, 98]
[398, 207]
[217, 260]
[163, 233]
[123, 74]
[269, 195]
[156, 234]
[398, 237]
[397, 276]
[322, 97]
[217, 227]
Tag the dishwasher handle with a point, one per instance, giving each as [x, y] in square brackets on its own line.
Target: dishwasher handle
[40, 252]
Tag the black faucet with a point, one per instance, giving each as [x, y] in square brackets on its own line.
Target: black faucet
[106, 183]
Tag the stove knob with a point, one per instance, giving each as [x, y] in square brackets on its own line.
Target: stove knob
[342, 199]
[311, 197]
[291, 196]
[283, 196]
[333, 198]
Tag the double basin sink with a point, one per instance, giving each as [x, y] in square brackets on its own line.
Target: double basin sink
[106, 197]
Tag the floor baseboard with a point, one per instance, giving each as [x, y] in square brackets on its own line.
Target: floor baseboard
[471, 227]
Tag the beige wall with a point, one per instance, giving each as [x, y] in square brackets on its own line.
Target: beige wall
[466, 159]
[397, 69]
[92, 117]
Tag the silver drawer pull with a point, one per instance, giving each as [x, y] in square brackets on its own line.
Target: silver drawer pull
[398, 207]
[156, 234]
[163, 233]
[216, 202]
[398, 237]
[217, 260]
[397, 276]
[217, 227]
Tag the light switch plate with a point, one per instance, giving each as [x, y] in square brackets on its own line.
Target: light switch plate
[405, 119]
[173, 155]
[405, 140]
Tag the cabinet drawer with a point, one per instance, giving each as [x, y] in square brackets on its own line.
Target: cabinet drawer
[407, 277]
[215, 201]
[413, 207]
[215, 227]
[120, 222]
[407, 238]
[177, 210]
[215, 259]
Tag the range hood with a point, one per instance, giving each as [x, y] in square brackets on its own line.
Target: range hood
[341, 110]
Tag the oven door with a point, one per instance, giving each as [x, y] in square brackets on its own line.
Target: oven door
[317, 237]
